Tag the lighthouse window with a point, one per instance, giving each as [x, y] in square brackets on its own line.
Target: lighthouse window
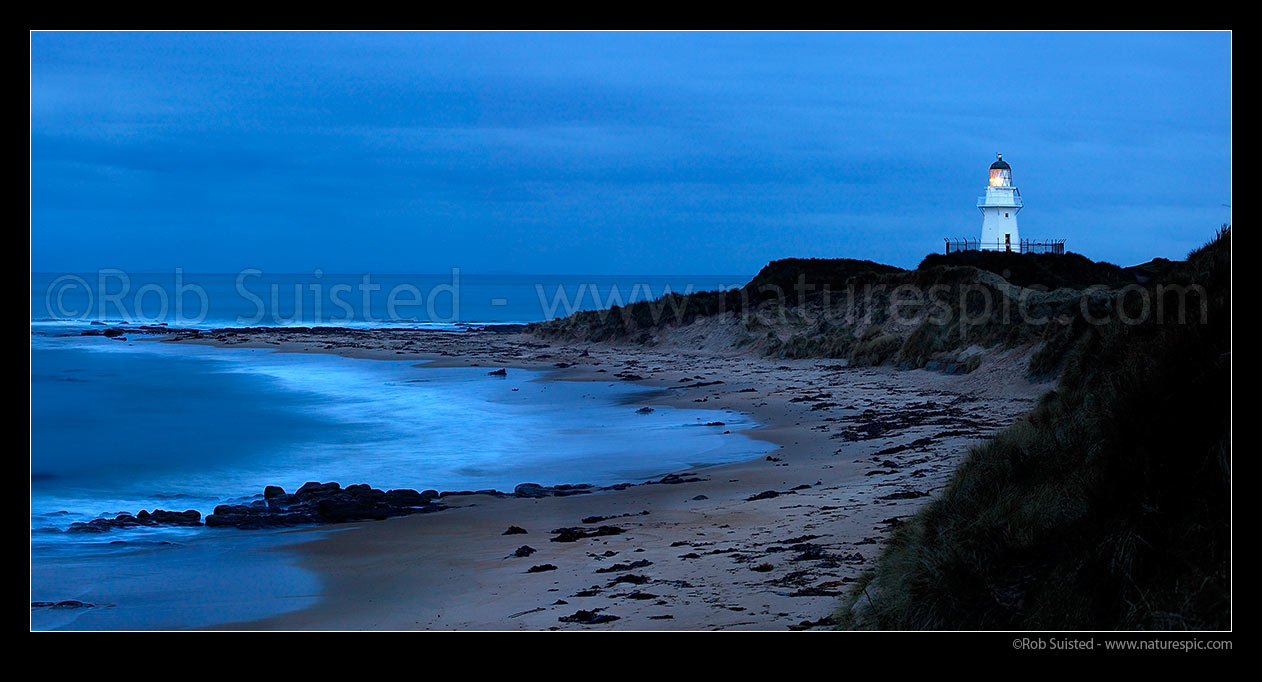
[1005, 215]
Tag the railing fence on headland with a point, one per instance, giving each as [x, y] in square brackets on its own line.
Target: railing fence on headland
[1056, 246]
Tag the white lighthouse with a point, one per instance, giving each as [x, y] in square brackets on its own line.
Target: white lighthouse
[999, 209]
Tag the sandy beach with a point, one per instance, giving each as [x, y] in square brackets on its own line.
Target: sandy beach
[763, 544]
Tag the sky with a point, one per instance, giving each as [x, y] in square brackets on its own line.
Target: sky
[613, 153]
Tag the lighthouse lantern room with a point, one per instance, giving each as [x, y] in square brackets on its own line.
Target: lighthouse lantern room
[999, 208]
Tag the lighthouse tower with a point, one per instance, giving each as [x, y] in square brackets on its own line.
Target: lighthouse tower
[999, 209]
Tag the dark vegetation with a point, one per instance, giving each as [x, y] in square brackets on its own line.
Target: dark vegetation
[819, 273]
[872, 314]
[1045, 270]
[1108, 506]
[776, 282]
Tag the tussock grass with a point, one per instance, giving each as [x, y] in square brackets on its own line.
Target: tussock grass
[1045, 270]
[1106, 507]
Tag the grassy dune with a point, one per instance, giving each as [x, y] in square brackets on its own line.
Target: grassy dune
[1108, 506]
[938, 315]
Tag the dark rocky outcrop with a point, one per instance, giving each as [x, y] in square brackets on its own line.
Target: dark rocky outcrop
[490, 492]
[322, 503]
[65, 604]
[563, 490]
[157, 517]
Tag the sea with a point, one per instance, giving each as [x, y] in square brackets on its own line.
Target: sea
[128, 425]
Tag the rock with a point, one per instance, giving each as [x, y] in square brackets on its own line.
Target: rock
[797, 540]
[762, 568]
[463, 493]
[66, 604]
[764, 495]
[524, 551]
[514, 530]
[272, 492]
[157, 517]
[102, 525]
[584, 617]
[565, 489]
[620, 567]
[632, 579]
[188, 517]
[313, 489]
[501, 372]
[407, 497]
[530, 490]
[598, 519]
[644, 410]
[811, 552]
[541, 568]
[674, 479]
[534, 490]
[808, 624]
[343, 509]
[575, 534]
[698, 498]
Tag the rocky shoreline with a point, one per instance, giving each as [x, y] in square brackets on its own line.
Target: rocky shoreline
[316, 503]
[322, 503]
[343, 337]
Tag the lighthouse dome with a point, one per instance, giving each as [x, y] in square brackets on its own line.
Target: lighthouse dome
[1000, 173]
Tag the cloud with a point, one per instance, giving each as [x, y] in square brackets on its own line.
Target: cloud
[572, 152]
